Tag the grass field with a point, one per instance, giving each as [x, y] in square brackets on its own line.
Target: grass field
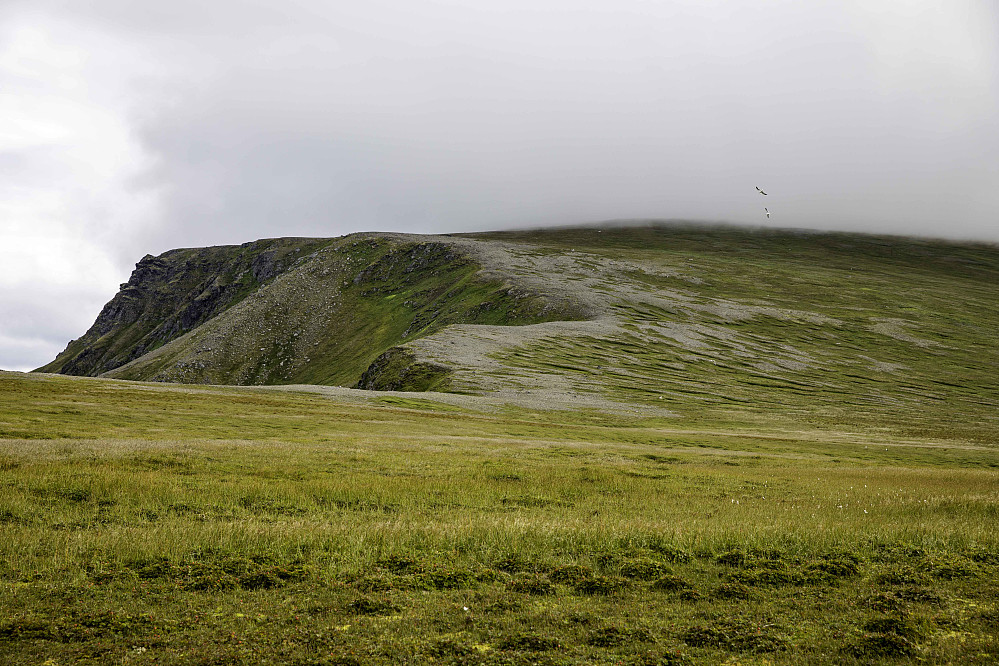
[167, 524]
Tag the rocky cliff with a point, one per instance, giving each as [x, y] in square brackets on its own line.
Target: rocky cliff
[169, 295]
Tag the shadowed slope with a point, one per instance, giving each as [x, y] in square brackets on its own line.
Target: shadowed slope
[168, 295]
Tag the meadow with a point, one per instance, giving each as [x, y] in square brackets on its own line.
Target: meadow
[168, 524]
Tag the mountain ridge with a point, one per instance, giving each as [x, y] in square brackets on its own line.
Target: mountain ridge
[661, 317]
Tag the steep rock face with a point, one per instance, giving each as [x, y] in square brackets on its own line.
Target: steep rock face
[169, 295]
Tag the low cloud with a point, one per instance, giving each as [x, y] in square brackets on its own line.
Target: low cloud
[138, 127]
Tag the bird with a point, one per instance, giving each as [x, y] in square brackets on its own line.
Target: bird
[760, 191]
[767, 211]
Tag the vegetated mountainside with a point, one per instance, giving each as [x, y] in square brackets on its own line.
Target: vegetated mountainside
[284, 311]
[666, 318]
[828, 328]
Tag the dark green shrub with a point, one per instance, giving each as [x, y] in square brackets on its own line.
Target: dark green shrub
[599, 584]
[899, 575]
[260, 580]
[661, 658]
[733, 590]
[919, 594]
[644, 569]
[531, 584]
[608, 637]
[777, 576]
[882, 645]
[884, 602]
[211, 581]
[570, 574]
[899, 624]
[670, 553]
[989, 619]
[670, 583]
[705, 636]
[949, 568]
[399, 564]
[27, 628]
[731, 558]
[529, 643]
[513, 565]
[614, 636]
[741, 637]
[446, 648]
[444, 578]
[832, 568]
[371, 606]
[983, 555]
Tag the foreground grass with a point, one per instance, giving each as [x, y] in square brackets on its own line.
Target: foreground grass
[157, 524]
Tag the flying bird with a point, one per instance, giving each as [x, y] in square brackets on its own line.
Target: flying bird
[767, 211]
[761, 191]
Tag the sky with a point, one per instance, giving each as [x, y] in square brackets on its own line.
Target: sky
[129, 128]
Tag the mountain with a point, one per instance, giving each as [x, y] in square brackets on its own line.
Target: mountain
[652, 316]
[296, 310]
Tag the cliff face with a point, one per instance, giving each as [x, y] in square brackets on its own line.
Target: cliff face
[169, 295]
[291, 311]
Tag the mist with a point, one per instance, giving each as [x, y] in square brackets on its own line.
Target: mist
[132, 128]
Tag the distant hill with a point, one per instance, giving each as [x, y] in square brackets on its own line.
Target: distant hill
[654, 316]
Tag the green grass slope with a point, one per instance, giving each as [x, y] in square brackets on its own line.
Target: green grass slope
[831, 328]
[173, 524]
[687, 319]
[770, 448]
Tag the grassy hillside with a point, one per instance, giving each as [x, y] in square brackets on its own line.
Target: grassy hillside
[833, 327]
[698, 446]
[169, 524]
[829, 328]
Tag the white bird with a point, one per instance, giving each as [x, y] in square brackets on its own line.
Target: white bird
[761, 191]
[768, 212]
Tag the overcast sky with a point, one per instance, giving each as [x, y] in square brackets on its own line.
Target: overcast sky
[130, 127]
